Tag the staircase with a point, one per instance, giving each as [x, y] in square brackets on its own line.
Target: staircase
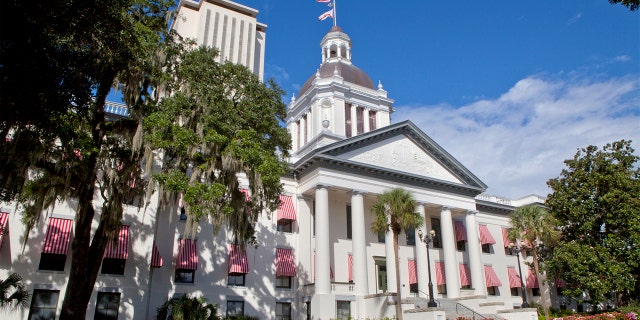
[454, 310]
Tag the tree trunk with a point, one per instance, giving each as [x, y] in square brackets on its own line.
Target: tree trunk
[398, 286]
[537, 271]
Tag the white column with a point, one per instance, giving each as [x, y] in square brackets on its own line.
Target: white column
[358, 242]
[451, 268]
[323, 280]
[421, 256]
[390, 260]
[475, 255]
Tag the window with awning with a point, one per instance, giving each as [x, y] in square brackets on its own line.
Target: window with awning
[286, 214]
[505, 237]
[56, 244]
[514, 278]
[116, 253]
[491, 277]
[186, 261]
[4, 225]
[465, 275]
[461, 235]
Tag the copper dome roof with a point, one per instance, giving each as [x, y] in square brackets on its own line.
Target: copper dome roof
[348, 72]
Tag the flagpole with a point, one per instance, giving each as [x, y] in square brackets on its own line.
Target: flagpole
[335, 14]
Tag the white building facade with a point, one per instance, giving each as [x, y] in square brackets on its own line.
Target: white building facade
[316, 256]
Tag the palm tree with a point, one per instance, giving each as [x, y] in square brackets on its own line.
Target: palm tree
[530, 224]
[187, 308]
[395, 211]
[13, 294]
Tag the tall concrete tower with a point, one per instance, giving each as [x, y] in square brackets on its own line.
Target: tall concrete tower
[226, 25]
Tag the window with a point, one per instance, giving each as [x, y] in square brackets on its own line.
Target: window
[304, 129]
[285, 225]
[411, 236]
[486, 248]
[236, 279]
[514, 292]
[381, 270]
[185, 275]
[343, 310]
[44, 304]
[461, 245]
[308, 304]
[381, 237]
[347, 120]
[313, 214]
[107, 305]
[113, 266]
[372, 120]
[437, 239]
[349, 225]
[360, 120]
[283, 282]
[235, 308]
[442, 289]
[535, 292]
[283, 311]
[413, 288]
[183, 214]
[52, 261]
[493, 291]
[298, 144]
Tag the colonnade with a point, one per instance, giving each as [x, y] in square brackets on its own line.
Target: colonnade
[359, 229]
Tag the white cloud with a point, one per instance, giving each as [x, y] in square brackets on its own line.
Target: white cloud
[518, 141]
[574, 19]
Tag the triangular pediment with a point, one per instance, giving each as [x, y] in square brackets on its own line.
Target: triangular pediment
[400, 153]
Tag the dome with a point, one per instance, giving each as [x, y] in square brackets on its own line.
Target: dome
[348, 72]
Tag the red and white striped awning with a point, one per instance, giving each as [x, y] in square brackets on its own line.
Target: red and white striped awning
[514, 278]
[286, 210]
[246, 194]
[285, 265]
[119, 250]
[440, 276]
[485, 235]
[413, 272]
[532, 280]
[314, 268]
[4, 218]
[350, 266]
[491, 277]
[505, 237]
[187, 254]
[56, 240]
[238, 262]
[465, 275]
[156, 258]
[460, 230]
[559, 283]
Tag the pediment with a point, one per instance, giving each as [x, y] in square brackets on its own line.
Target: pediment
[401, 152]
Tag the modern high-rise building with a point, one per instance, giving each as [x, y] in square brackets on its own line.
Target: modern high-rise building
[316, 257]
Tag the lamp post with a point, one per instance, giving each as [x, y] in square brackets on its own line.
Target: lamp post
[516, 249]
[427, 239]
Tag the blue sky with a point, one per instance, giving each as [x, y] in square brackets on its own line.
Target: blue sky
[509, 88]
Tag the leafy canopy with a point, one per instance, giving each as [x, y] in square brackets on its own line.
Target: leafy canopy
[596, 199]
[220, 121]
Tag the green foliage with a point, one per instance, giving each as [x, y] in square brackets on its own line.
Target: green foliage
[220, 121]
[535, 226]
[633, 5]
[13, 294]
[597, 202]
[187, 308]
